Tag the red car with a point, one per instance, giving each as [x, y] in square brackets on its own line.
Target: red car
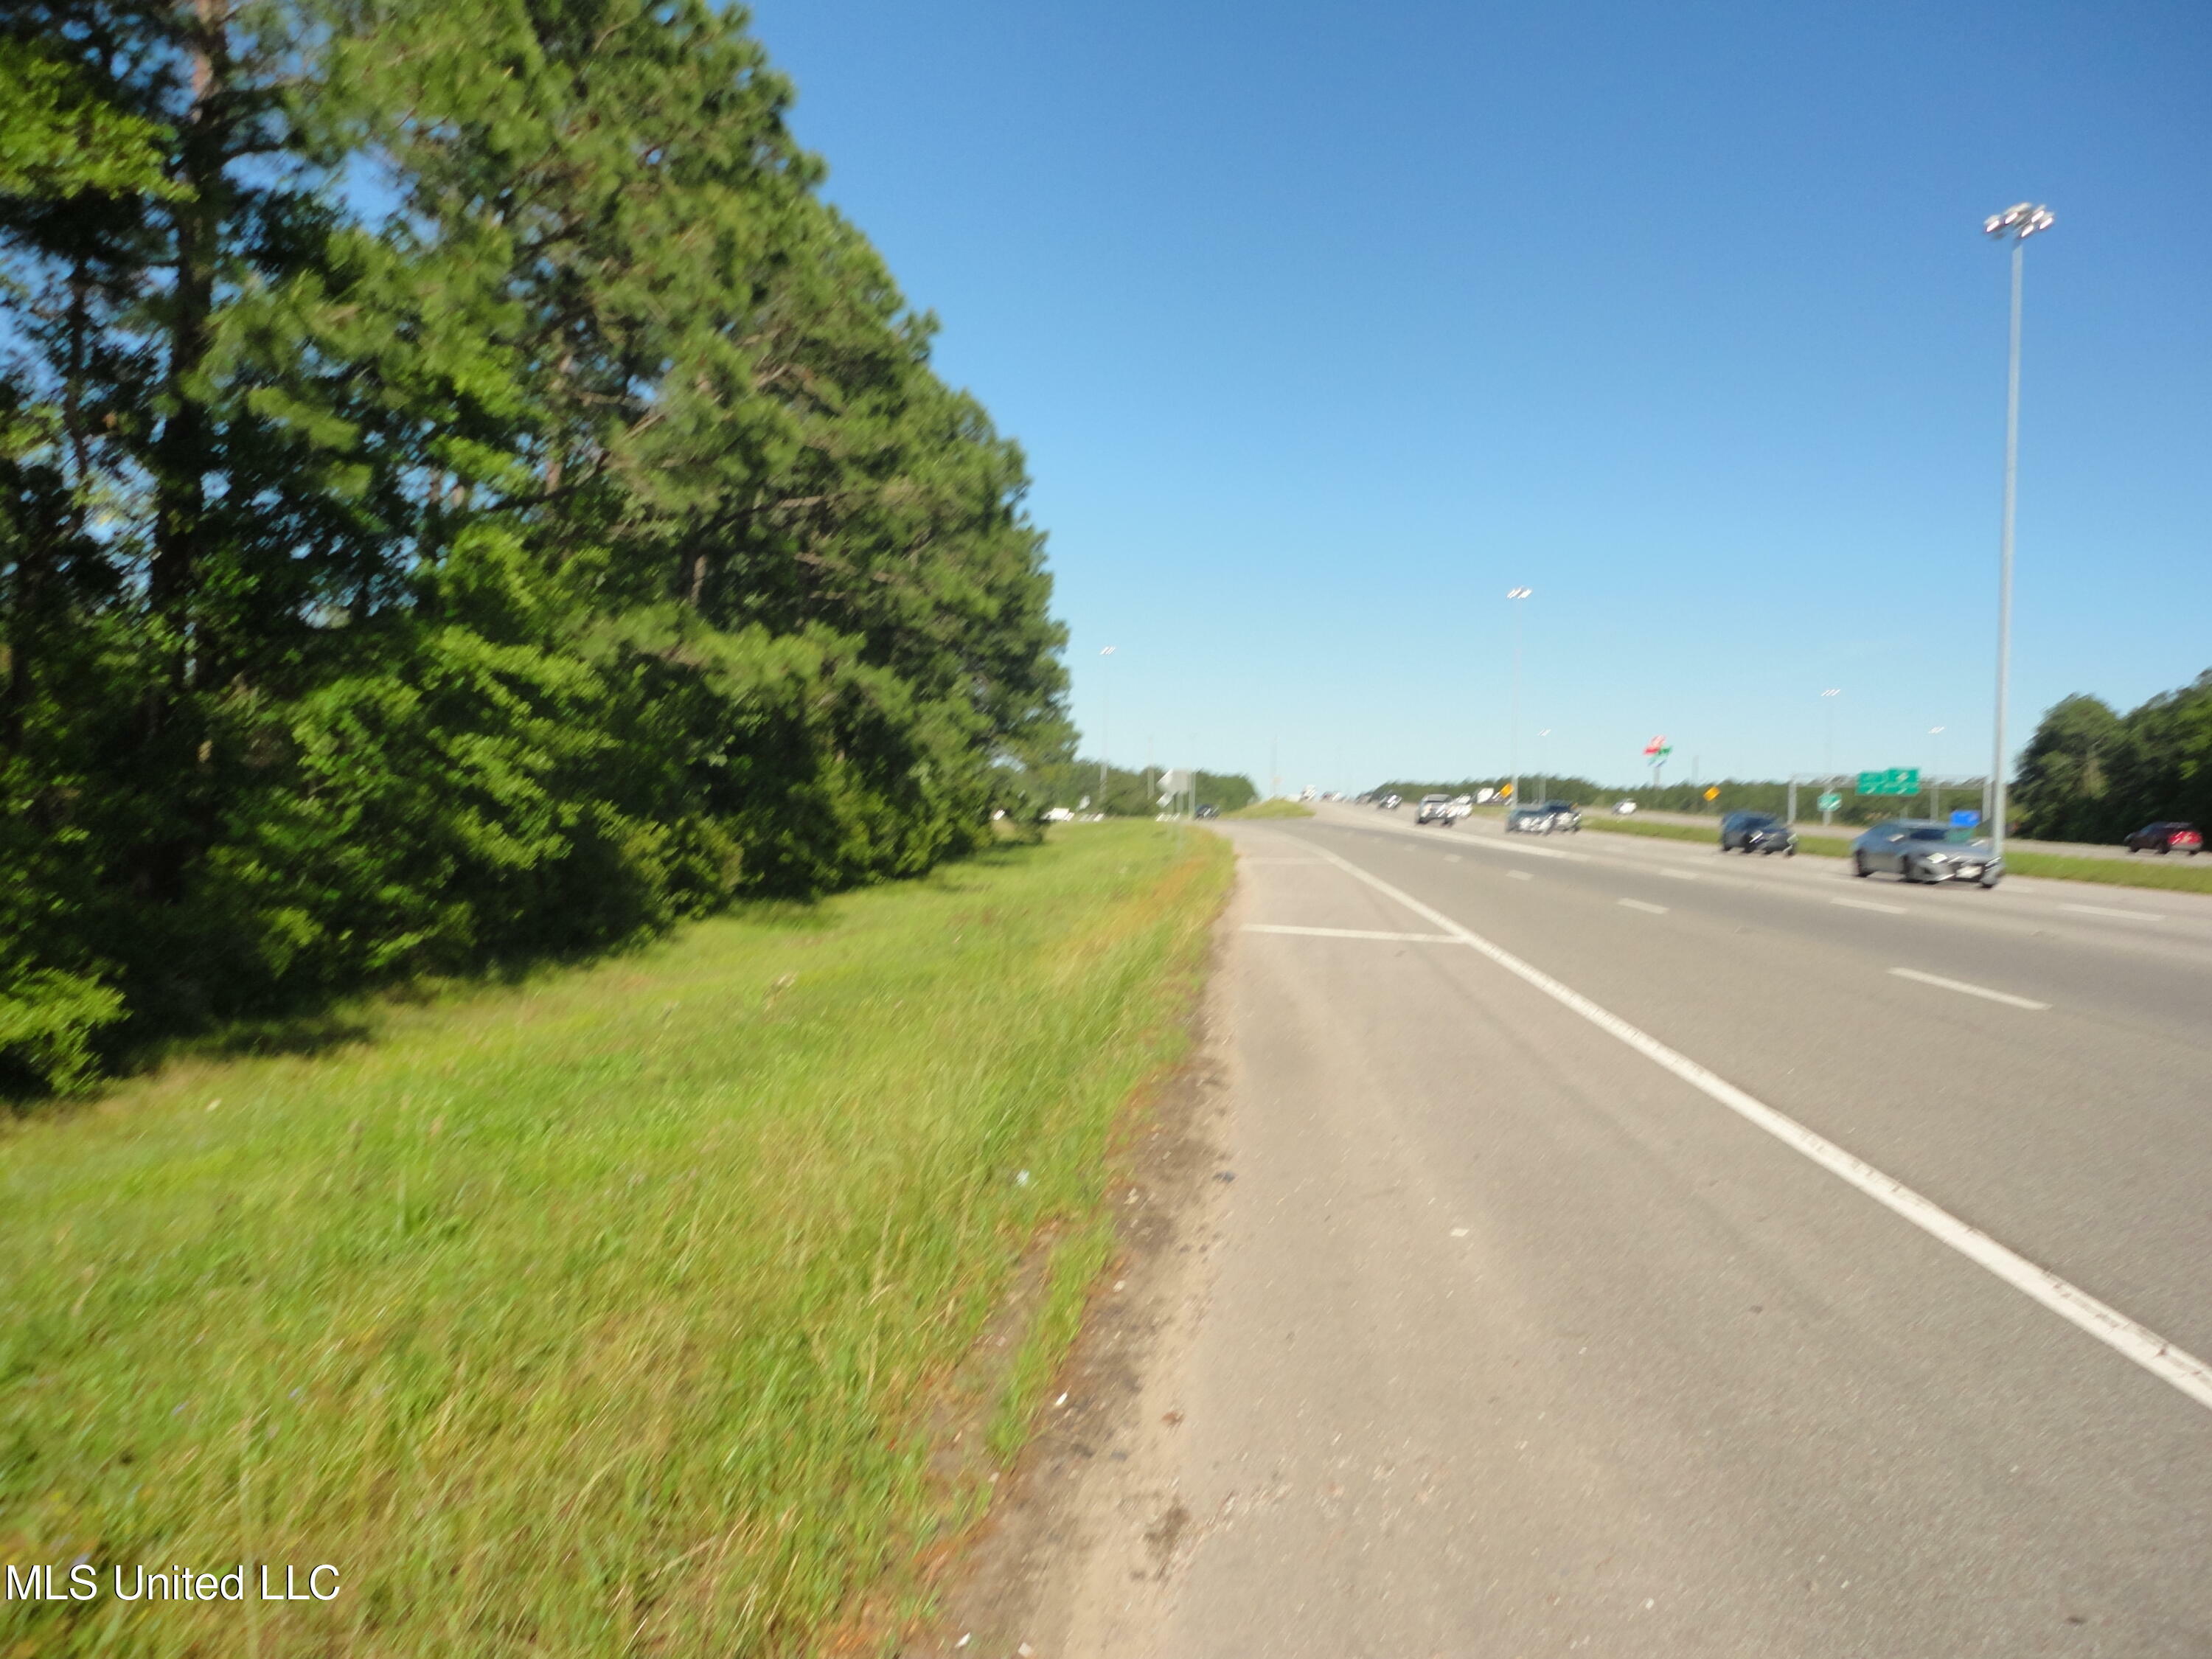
[2168, 838]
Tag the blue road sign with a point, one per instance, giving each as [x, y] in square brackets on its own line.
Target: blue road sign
[1965, 818]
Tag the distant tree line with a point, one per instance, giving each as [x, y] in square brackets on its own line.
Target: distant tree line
[2090, 774]
[463, 495]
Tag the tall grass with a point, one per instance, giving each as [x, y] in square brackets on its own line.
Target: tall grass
[627, 1311]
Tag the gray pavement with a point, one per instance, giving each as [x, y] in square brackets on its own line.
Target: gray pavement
[1519, 1342]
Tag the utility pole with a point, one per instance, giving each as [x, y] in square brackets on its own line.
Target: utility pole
[1105, 723]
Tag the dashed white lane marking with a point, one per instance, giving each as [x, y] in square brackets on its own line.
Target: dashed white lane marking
[1350, 933]
[1961, 986]
[1454, 858]
[2124, 916]
[1519, 875]
[2171, 1364]
[1869, 904]
[1638, 904]
[1683, 875]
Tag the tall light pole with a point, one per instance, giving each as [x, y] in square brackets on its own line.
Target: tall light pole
[2015, 225]
[1544, 760]
[1829, 764]
[1935, 772]
[1105, 723]
[1513, 797]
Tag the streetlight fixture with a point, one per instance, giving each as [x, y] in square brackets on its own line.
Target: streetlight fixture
[1513, 796]
[2015, 225]
[1105, 723]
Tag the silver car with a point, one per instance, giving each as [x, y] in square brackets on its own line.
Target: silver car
[1921, 849]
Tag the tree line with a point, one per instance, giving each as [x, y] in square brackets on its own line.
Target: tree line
[2092, 774]
[464, 495]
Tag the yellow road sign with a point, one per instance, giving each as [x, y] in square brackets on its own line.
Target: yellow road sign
[1713, 793]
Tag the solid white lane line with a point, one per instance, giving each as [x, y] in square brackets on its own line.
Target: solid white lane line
[1683, 875]
[2145, 1347]
[1638, 904]
[1961, 986]
[1249, 860]
[1350, 933]
[1454, 858]
[1519, 875]
[1868, 904]
[2124, 916]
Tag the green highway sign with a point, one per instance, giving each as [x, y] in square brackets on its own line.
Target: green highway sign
[1898, 781]
[1830, 801]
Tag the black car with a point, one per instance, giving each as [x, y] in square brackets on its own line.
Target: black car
[2168, 838]
[1757, 832]
[1209, 810]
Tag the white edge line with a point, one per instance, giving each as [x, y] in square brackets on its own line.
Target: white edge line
[1638, 904]
[1519, 875]
[2147, 1348]
[1868, 904]
[2101, 910]
[1350, 933]
[1961, 986]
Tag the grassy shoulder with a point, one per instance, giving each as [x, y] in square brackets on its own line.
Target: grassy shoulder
[2115, 872]
[1277, 808]
[634, 1308]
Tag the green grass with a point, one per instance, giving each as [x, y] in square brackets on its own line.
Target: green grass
[1272, 809]
[2057, 867]
[682, 1304]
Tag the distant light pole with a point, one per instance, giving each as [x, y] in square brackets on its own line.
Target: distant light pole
[1935, 772]
[1105, 723]
[1831, 693]
[1544, 760]
[2015, 225]
[1513, 797]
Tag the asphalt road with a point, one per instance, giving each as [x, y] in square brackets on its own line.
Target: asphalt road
[1526, 1334]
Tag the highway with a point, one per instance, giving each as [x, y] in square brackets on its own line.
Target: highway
[1626, 1249]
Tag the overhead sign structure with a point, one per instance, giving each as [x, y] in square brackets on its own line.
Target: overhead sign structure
[1897, 781]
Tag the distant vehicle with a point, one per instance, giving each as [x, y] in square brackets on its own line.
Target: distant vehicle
[1623, 808]
[2168, 838]
[1757, 832]
[1058, 815]
[1389, 803]
[1548, 818]
[1209, 810]
[1434, 809]
[1920, 849]
[1462, 805]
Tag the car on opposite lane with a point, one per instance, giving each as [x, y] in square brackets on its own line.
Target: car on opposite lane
[1922, 850]
[1757, 832]
[2169, 837]
[1434, 809]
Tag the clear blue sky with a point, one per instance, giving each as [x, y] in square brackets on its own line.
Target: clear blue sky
[1324, 325]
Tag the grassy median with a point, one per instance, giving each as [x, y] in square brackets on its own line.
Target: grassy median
[683, 1305]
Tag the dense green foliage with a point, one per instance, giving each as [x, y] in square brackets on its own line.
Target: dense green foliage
[463, 495]
[2091, 774]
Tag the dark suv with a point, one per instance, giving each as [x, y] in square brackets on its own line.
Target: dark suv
[1757, 832]
[2167, 838]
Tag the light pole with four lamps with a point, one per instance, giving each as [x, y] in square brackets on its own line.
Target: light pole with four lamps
[2015, 225]
[1513, 795]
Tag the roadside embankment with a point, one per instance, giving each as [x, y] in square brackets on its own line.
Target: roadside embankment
[683, 1303]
